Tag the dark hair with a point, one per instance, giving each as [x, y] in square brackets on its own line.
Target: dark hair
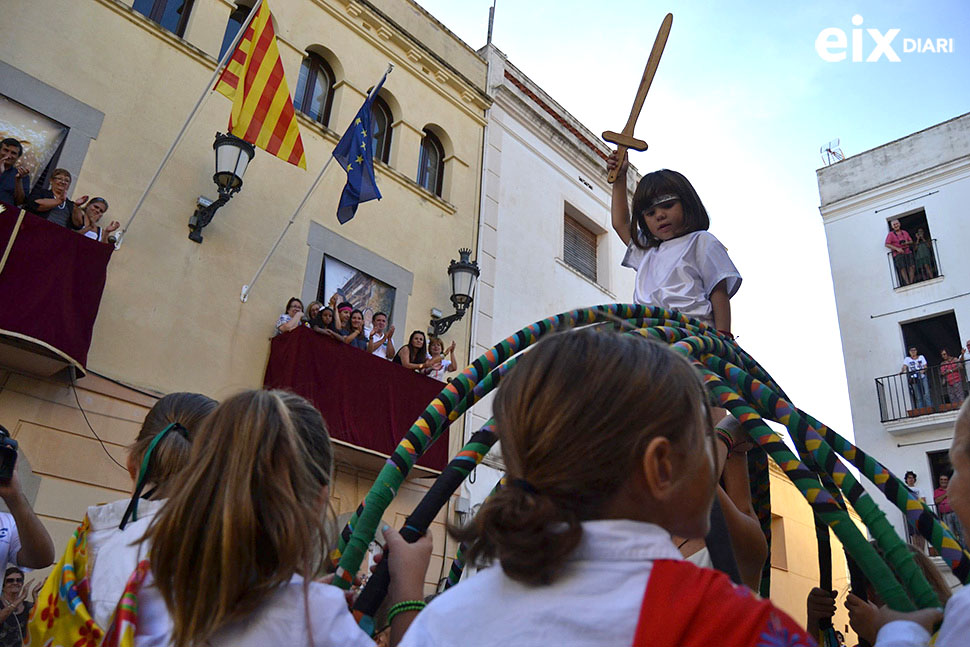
[101, 200]
[172, 452]
[11, 569]
[356, 312]
[419, 356]
[290, 302]
[654, 185]
[575, 442]
[378, 314]
[247, 516]
[345, 304]
[333, 317]
[908, 474]
[10, 141]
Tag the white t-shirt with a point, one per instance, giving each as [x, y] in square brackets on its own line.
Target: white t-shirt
[380, 351]
[9, 540]
[440, 372]
[114, 555]
[681, 273]
[914, 365]
[595, 601]
[953, 632]
[282, 620]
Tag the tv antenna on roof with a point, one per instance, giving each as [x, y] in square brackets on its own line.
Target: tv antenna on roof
[831, 152]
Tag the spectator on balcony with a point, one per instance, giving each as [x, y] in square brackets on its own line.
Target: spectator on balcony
[343, 309]
[14, 180]
[292, 317]
[313, 314]
[941, 497]
[326, 318]
[914, 537]
[923, 255]
[379, 341]
[442, 361]
[950, 370]
[53, 203]
[900, 243]
[357, 337]
[915, 368]
[91, 216]
[414, 356]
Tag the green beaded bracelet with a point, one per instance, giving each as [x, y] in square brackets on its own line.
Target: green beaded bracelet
[406, 605]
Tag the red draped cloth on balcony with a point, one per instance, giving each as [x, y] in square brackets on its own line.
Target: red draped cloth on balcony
[51, 283]
[367, 401]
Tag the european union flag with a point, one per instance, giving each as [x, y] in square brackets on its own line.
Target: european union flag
[354, 154]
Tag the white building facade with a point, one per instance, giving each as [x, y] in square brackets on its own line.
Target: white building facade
[922, 180]
[546, 243]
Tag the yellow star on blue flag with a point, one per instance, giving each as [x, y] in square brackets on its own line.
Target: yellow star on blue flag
[361, 184]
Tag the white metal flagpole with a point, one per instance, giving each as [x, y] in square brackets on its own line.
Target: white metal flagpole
[195, 111]
[246, 289]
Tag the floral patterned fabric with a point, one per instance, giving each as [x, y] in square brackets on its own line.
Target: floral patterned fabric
[688, 606]
[61, 617]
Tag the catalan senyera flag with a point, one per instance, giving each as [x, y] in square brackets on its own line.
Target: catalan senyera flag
[262, 111]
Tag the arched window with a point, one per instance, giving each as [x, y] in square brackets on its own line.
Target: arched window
[314, 89]
[172, 15]
[236, 19]
[431, 163]
[380, 126]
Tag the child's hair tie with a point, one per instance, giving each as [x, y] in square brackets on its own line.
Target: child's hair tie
[524, 485]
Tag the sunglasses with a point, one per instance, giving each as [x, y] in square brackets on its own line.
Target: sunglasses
[14, 580]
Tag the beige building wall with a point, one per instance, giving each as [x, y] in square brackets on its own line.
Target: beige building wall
[171, 318]
[794, 554]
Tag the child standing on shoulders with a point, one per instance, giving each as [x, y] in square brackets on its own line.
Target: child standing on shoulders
[579, 539]
[679, 264]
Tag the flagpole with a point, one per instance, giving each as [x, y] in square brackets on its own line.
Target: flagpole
[178, 138]
[246, 289]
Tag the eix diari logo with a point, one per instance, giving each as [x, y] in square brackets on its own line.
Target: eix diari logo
[832, 43]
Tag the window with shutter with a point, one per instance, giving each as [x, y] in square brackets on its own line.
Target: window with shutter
[579, 248]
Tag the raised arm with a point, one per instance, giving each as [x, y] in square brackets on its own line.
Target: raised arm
[619, 209]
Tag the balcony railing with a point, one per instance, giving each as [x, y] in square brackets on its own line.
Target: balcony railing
[901, 395]
[367, 401]
[922, 271]
[51, 281]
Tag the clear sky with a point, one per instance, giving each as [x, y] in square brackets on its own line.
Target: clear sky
[741, 104]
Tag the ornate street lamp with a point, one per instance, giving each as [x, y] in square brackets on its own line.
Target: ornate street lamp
[232, 157]
[464, 276]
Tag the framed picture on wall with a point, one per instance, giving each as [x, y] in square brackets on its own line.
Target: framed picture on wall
[365, 292]
[40, 136]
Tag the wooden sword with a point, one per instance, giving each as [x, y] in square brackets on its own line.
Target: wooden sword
[625, 139]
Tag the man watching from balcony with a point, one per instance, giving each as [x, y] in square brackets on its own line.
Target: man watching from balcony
[14, 180]
[379, 340]
[53, 203]
[899, 242]
[915, 367]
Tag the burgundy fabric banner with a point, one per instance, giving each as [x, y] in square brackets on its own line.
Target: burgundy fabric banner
[51, 283]
[367, 401]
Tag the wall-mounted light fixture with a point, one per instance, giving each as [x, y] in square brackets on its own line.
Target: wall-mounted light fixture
[232, 157]
[464, 276]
